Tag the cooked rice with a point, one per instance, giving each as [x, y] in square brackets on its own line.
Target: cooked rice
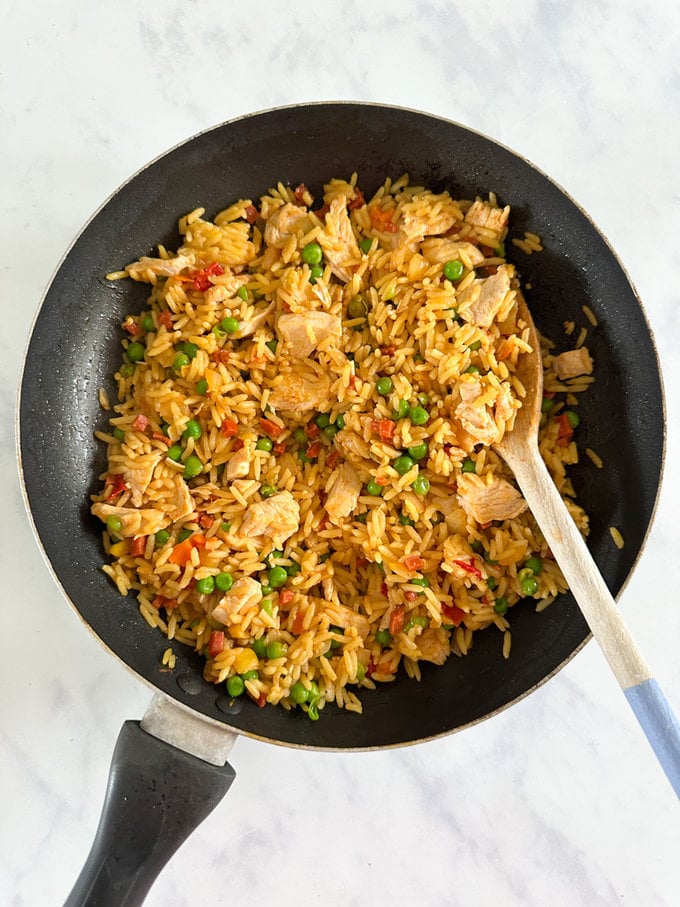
[261, 446]
[616, 535]
[594, 457]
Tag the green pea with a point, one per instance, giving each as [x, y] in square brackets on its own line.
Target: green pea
[265, 444]
[277, 577]
[250, 675]
[403, 464]
[322, 420]
[383, 637]
[524, 573]
[272, 344]
[331, 431]
[206, 585]
[161, 538]
[500, 250]
[192, 467]
[192, 430]
[501, 605]
[406, 520]
[267, 605]
[418, 451]
[127, 370]
[417, 621]
[293, 569]
[547, 405]
[218, 331]
[230, 325]
[491, 583]
[313, 711]
[384, 386]
[190, 349]
[476, 345]
[402, 409]
[174, 453]
[418, 415]
[573, 418]
[276, 649]
[476, 546]
[315, 272]
[259, 647]
[114, 523]
[420, 581]
[340, 421]
[300, 435]
[361, 517]
[312, 254]
[118, 434]
[299, 693]
[361, 672]
[266, 588]
[453, 270]
[357, 307]
[202, 387]
[471, 370]
[535, 564]
[235, 686]
[224, 581]
[529, 586]
[225, 527]
[423, 399]
[469, 465]
[136, 351]
[243, 294]
[267, 491]
[421, 485]
[373, 488]
[181, 360]
[184, 534]
[148, 323]
[365, 245]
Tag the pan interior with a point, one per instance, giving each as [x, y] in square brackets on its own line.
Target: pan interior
[75, 348]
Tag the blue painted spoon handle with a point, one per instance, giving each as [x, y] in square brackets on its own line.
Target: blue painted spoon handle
[599, 609]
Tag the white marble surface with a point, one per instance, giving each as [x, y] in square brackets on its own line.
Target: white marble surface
[558, 801]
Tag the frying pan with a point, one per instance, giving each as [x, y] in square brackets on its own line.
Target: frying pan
[159, 789]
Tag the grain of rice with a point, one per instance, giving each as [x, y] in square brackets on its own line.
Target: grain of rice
[616, 536]
[590, 315]
[594, 457]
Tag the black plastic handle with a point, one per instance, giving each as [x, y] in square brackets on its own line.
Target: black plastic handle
[156, 796]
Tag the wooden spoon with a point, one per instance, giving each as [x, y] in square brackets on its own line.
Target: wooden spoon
[519, 449]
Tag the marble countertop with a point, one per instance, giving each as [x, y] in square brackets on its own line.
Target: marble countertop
[558, 800]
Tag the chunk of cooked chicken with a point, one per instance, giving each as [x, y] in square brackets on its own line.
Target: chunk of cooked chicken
[244, 593]
[343, 493]
[416, 225]
[303, 333]
[353, 448]
[248, 327]
[573, 363]
[497, 500]
[159, 267]
[238, 464]
[338, 241]
[300, 391]
[277, 517]
[433, 645]
[138, 475]
[453, 514]
[439, 251]
[477, 420]
[228, 287]
[342, 616]
[487, 294]
[282, 224]
[179, 503]
[482, 214]
[145, 521]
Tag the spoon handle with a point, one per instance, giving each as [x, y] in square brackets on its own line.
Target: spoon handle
[643, 693]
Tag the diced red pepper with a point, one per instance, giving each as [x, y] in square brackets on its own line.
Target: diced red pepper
[469, 567]
[357, 200]
[262, 700]
[566, 431]
[297, 626]
[313, 450]
[159, 436]
[382, 220]
[137, 546]
[303, 196]
[271, 428]
[117, 484]
[279, 448]
[131, 326]
[352, 382]
[414, 562]
[383, 588]
[384, 428]
[162, 602]
[397, 619]
[389, 350]
[332, 459]
[165, 319]
[410, 596]
[238, 444]
[201, 279]
[285, 597]
[312, 430]
[453, 613]
[205, 520]
[251, 214]
[220, 357]
[322, 211]
[141, 422]
[216, 644]
[229, 428]
[362, 561]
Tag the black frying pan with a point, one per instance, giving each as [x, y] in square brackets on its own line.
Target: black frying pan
[622, 419]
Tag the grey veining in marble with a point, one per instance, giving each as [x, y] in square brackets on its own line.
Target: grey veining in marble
[558, 801]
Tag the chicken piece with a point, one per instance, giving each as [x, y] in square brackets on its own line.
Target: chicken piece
[498, 500]
[572, 363]
[226, 289]
[353, 448]
[341, 616]
[344, 492]
[238, 464]
[338, 241]
[439, 251]
[283, 224]
[453, 514]
[486, 305]
[139, 473]
[303, 333]
[301, 392]
[433, 646]
[146, 521]
[243, 594]
[482, 214]
[277, 517]
[416, 226]
[158, 267]
[478, 421]
[181, 503]
[296, 294]
[248, 327]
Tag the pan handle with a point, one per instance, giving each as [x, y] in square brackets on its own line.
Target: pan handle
[156, 796]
